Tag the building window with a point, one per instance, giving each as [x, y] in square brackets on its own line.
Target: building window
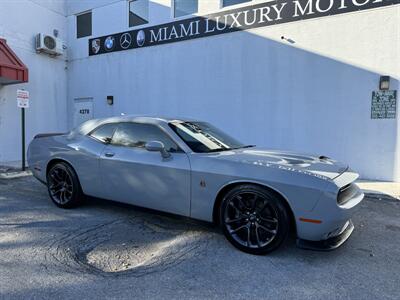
[138, 12]
[185, 7]
[233, 2]
[84, 25]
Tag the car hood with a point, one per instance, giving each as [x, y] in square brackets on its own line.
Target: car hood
[319, 166]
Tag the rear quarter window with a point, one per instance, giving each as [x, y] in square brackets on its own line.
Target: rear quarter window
[104, 133]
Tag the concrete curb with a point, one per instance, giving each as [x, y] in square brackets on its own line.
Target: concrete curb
[13, 175]
[380, 189]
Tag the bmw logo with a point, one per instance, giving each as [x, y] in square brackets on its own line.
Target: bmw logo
[109, 43]
[140, 38]
[125, 40]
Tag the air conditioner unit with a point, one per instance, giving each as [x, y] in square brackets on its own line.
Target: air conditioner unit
[49, 44]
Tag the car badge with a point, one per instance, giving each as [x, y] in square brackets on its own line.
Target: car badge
[125, 40]
[140, 38]
[95, 46]
[109, 43]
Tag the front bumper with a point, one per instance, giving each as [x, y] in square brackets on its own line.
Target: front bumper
[332, 215]
[330, 243]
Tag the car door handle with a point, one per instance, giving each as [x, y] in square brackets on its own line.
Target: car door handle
[109, 154]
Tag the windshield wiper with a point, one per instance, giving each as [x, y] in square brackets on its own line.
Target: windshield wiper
[228, 149]
[219, 150]
[248, 146]
[242, 147]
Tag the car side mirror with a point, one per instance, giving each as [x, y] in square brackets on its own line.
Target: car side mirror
[156, 146]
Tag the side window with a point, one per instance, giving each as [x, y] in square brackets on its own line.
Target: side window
[138, 12]
[233, 2]
[185, 7]
[104, 133]
[137, 135]
[84, 25]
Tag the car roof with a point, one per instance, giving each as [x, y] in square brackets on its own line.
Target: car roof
[144, 118]
[88, 126]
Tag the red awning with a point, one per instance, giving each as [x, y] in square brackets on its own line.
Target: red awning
[12, 69]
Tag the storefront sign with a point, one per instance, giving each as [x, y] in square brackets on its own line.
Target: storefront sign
[22, 98]
[259, 15]
[384, 105]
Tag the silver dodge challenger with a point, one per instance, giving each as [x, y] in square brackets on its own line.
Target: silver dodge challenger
[191, 168]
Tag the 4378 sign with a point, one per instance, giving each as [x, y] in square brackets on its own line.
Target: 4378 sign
[84, 111]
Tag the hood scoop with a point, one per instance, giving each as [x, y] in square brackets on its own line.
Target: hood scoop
[321, 166]
[293, 162]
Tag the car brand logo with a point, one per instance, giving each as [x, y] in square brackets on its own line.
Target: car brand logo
[96, 46]
[140, 38]
[109, 43]
[125, 40]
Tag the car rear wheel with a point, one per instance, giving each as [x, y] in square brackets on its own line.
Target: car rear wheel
[254, 219]
[63, 186]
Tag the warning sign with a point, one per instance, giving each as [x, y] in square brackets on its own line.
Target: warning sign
[383, 105]
[22, 98]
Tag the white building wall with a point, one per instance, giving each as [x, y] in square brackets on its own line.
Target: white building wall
[312, 96]
[20, 21]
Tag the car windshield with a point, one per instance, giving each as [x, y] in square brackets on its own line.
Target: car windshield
[202, 137]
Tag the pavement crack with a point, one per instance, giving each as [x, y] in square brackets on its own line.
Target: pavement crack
[134, 246]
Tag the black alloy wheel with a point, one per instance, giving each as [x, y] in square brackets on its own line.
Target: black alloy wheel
[63, 186]
[254, 219]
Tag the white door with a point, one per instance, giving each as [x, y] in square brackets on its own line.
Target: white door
[83, 110]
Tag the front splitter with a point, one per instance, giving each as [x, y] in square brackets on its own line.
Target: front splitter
[328, 244]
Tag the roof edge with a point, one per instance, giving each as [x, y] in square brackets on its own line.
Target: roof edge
[14, 70]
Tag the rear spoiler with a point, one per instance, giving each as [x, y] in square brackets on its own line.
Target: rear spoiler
[42, 135]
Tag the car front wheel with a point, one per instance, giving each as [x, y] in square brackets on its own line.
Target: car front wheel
[63, 186]
[254, 219]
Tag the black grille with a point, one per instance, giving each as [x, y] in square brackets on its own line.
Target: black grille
[49, 42]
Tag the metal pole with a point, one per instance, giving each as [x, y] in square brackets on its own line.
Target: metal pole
[23, 137]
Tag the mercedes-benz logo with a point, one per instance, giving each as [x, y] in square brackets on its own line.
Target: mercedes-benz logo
[125, 40]
[140, 38]
[109, 43]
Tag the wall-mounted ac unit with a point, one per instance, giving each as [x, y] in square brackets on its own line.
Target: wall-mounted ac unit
[49, 44]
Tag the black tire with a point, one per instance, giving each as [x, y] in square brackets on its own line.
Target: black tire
[63, 185]
[254, 219]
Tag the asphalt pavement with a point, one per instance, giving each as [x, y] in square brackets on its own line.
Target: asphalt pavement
[108, 250]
